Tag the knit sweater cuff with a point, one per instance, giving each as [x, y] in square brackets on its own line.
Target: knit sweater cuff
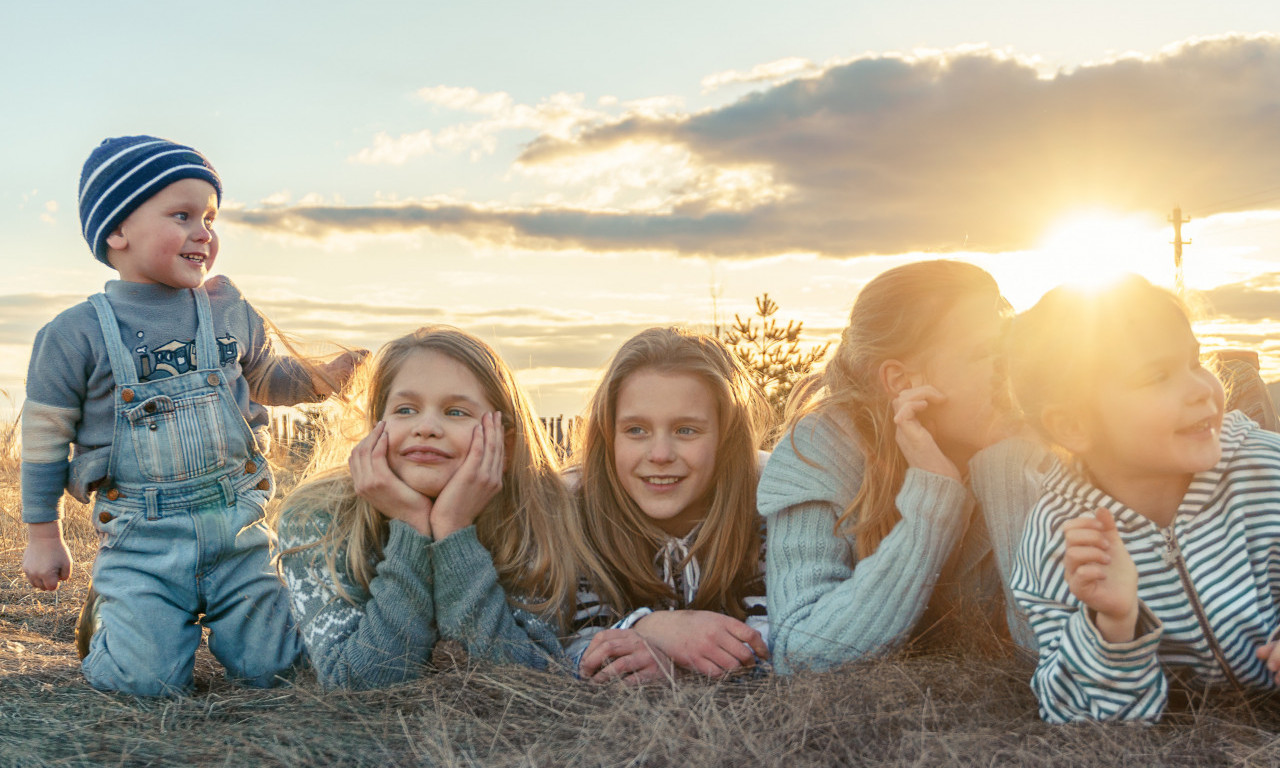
[933, 497]
[406, 545]
[459, 558]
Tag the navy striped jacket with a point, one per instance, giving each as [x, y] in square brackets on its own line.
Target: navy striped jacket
[1228, 532]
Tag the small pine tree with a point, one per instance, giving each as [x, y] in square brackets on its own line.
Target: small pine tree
[771, 353]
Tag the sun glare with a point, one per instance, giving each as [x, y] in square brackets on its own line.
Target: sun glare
[1087, 248]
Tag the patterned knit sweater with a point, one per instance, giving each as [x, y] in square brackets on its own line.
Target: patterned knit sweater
[1225, 538]
[423, 591]
[827, 606]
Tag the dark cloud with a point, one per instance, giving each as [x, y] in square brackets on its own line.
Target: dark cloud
[890, 155]
[1253, 300]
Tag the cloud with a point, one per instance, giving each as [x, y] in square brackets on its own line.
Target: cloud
[782, 69]
[1254, 300]
[560, 115]
[882, 154]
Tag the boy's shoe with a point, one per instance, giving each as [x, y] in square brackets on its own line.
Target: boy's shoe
[88, 622]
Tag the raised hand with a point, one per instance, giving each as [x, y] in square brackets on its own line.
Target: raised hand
[334, 375]
[624, 654]
[915, 441]
[703, 641]
[377, 484]
[475, 483]
[1101, 574]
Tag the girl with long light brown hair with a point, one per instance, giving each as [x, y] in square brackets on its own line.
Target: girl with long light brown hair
[449, 521]
[868, 494]
[666, 492]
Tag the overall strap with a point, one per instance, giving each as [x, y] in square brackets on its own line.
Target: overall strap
[207, 357]
[122, 367]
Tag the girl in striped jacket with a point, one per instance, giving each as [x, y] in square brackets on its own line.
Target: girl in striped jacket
[1157, 545]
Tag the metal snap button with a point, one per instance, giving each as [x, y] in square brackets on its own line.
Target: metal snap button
[250, 468]
[149, 407]
[104, 518]
[213, 379]
[126, 395]
[112, 494]
[264, 484]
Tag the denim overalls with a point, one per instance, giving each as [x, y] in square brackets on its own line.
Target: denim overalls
[183, 540]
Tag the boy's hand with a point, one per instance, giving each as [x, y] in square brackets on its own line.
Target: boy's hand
[46, 560]
[1101, 574]
[374, 482]
[703, 641]
[1270, 655]
[623, 654]
[335, 374]
[475, 483]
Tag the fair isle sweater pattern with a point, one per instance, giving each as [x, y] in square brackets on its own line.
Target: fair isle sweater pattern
[423, 591]
[1228, 531]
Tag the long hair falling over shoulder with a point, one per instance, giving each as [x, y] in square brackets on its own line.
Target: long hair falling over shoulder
[528, 528]
[727, 544]
[897, 314]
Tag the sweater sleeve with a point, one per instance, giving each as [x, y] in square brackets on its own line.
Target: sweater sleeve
[383, 639]
[1081, 676]
[1006, 479]
[826, 607]
[472, 608]
[273, 379]
[57, 378]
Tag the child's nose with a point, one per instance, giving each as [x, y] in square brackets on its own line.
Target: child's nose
[660, 451]
[428, 425]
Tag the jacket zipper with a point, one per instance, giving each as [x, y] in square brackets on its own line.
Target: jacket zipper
[1173, 557]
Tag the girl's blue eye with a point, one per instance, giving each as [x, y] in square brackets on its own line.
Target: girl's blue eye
[404, 410]
[633, 431]
[686, 431]
[455, 412]
[180, 216]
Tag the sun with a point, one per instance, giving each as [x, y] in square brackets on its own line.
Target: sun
[1089, 248]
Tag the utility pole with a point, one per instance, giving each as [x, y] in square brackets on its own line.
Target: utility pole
[1178, 242]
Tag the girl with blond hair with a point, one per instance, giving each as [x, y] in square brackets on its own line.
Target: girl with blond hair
[448, 522]
[666, 493]
[870, 494]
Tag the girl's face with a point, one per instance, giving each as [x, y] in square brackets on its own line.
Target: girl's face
[1157, 412]
[666, 430]
[962, 364]
[433, 405]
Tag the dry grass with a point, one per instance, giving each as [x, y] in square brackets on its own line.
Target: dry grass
[959, 705]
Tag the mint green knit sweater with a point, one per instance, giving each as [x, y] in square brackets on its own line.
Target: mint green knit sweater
[827, 607]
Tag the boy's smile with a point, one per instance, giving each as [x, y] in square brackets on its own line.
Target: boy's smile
[169, 240]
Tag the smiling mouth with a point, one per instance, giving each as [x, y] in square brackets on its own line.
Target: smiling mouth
[426, 455]
[1204, 425]
[662, 480]
[195, 258]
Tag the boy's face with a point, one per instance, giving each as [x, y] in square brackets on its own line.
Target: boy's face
[169, 239]
[1158, 411]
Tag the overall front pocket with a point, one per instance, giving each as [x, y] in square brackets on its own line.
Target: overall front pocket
[177, 438]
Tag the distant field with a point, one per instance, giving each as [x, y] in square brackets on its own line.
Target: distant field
[958, 704]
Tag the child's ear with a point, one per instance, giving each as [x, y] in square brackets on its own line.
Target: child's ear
[895, 376]
[1067, 428]
[116, 241]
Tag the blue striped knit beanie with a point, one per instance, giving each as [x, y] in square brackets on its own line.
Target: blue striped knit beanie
[123, 173]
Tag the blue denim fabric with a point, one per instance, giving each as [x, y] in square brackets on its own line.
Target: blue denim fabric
[183, 539]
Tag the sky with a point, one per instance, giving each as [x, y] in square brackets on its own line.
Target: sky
[557, 176]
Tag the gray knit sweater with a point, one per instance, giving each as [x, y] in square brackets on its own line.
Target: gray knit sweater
[423, 591]
[826, 606]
